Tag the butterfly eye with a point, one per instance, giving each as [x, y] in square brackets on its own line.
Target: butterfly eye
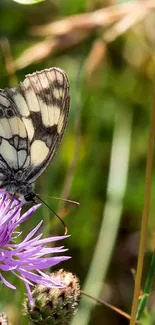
[9, 112]
[30, 197]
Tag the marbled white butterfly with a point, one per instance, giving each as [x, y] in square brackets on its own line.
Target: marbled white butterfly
[33, 118]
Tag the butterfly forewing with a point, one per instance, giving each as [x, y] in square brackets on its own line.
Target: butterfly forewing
[33, 117]
[50, 92]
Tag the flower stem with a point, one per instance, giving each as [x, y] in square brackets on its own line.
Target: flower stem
[148, 285]
[145, 215]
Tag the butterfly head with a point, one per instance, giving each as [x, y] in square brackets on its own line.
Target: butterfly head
[30, 197]
[27, 192]
[22, 189]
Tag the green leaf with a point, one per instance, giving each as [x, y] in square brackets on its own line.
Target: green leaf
[28, 2]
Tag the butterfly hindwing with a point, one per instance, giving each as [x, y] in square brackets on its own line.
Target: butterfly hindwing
[33, 117]
[13, 138]
[49, 91]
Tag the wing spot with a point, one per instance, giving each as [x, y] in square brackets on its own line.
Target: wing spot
[4, 101]
[9, 154]
[5, 130]
[21, 157]
[30, 96]
[57, 93]
[54, 114]
[9, 112]
[21, 104]
[39, 152]
[14, 125]
[27, 162]
[29, 127]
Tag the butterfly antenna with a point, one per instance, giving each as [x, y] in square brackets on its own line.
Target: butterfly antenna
[61, 199]
[65, 227]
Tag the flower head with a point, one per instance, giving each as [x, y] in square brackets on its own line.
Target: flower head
[54, 306]
[27, 259]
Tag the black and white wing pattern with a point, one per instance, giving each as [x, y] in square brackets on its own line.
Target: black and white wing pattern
[33, 118]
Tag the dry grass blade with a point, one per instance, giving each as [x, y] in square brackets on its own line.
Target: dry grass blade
[88, 21]
[101, 301]
[8, 60]
[126, 22]
[73, 30]
[43, 49]
[95, 57]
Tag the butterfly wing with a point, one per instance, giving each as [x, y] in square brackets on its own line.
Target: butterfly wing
[38, 115]
[47, 99]
[14, 144]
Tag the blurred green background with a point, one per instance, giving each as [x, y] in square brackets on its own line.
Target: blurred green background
[107, 49]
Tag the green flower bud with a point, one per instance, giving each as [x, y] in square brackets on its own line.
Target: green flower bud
[54, 306]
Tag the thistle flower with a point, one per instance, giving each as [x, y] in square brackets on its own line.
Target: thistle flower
[54, 306]
[26, 260]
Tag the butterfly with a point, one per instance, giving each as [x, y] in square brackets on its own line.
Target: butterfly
[33, 118]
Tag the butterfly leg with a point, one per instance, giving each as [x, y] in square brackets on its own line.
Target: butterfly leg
[13, 197]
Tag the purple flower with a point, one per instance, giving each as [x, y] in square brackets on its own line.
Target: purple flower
[27, 259]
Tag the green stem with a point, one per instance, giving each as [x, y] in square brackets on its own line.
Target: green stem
[145, 216]
[148, 285]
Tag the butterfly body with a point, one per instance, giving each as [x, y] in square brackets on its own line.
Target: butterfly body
[33, 118]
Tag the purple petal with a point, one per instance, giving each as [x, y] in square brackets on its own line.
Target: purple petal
[45, 263]
[7, 267]
[29, 294]
[28, 214]
[8, 284]
[51, 239]
[48, 282]
[33, 232]
[22, 278]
